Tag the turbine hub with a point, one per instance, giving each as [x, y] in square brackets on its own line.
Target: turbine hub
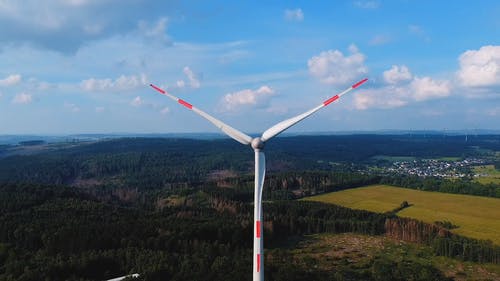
[257, 144]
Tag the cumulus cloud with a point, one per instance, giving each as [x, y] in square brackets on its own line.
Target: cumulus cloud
[137, 101]
[400, 89]
[22, 98]
[333, 67]
[247, 97]
[427, 88]
[122, 83]
[194, 82]
[294, 15]
[480, 68]
[10, 80]
[397, 74]
[383, 97]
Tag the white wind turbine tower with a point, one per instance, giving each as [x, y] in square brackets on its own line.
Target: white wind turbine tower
[260, 162]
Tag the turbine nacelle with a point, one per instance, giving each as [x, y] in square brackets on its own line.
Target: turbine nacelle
[257, 143]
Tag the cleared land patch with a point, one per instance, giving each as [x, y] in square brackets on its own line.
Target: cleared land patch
[477, 217]
[332, 252]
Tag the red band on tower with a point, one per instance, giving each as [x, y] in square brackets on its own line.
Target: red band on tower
[258, 262]
[186, 104]
[257, 229]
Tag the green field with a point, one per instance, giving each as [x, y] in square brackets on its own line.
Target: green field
[477, 217]
[487, 174]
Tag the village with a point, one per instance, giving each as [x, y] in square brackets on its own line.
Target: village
[435, 168]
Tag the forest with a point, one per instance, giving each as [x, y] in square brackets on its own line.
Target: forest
[181, 209]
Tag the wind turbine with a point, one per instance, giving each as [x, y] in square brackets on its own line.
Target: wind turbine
[260, 163]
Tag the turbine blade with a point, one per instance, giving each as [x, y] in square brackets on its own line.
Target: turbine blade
[258, 240]
[283, 125]
[228, 130]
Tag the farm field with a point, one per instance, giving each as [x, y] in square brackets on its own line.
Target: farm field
[475, 216]
[487, 174]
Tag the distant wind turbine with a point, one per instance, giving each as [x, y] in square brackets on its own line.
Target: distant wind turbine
[260, 163]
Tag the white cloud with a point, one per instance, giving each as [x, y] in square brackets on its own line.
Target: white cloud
[22, 98]
[165, 111]
[367, 4]
[247, 97]
[93, 84]
[67, 25]
[99, 109]
[401, 88]
[427, 88]
[384, 97]
[122, 83]
[194, 82]
[181, 84]
[71, 107]
[397, 74]
[10, 80]
[294, 15]
[480, 68]
[332, 67]
[137, 101]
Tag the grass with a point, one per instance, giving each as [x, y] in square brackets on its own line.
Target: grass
[487, 174]
[477, 217]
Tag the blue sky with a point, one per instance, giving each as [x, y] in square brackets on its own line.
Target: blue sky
[84, 66]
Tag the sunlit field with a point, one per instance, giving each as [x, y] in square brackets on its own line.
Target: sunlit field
[476, 217]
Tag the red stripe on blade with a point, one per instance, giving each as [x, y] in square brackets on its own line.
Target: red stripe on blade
[330, 100]
[186, 104]
[257, 229]
[258, 262]
[158, 89]
[359, 83]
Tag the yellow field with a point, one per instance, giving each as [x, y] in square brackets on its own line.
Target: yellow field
[477, 217]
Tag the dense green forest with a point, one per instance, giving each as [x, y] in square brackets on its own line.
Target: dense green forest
[59, 233]
[180, 209]
[159, 163]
